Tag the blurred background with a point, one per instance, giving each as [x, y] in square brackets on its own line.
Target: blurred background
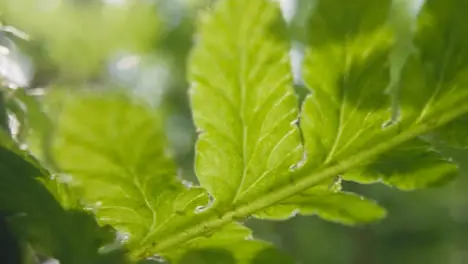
[143, 46]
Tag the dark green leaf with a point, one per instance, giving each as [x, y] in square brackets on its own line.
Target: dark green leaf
[37, 218]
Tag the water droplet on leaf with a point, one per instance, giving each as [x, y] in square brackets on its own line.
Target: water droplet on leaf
[122, 237]
[188, 184]
[157, 258]
[200, 209]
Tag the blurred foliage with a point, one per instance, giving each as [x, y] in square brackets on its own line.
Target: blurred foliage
[143, 46]
[81, 35]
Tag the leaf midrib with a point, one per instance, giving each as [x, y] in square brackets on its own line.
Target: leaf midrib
[308, 177]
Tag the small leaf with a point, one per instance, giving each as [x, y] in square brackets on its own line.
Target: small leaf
[434, 80]
[232, 244]
[243, 101]
[341, 207]
[346, 67]
[410, 166]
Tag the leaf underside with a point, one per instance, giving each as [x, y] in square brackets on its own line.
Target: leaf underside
[366, 119]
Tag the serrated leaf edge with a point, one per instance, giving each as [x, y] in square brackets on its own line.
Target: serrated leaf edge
[308, 177]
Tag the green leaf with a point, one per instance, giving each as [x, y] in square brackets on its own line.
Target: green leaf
[454, 134]
[233, 244]
[7, 142]
[346, 67]
[247, 252]
[341, 207]
[36, 218]
[34, 124]
[245, 107]
[435, 79]
[358, 102]
[249, 154]
[410, 166]
[243, 102]
[356, 115]
[114, 150]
